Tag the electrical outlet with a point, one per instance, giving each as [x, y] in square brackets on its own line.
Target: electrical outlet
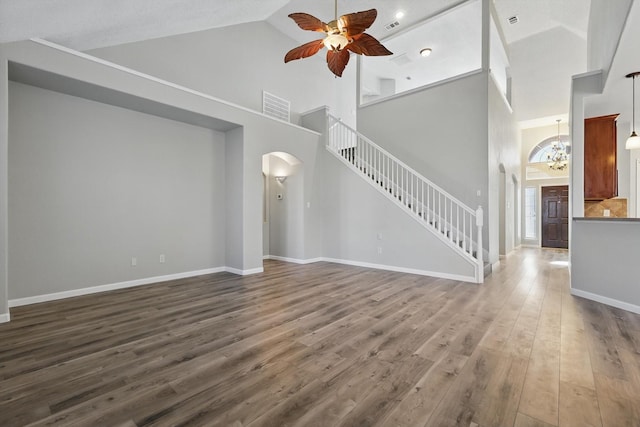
[134, 261]
[379, 250]
[379, 236]
[162, 259]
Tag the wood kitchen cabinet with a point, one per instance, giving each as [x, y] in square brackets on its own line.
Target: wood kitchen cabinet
[600, 158]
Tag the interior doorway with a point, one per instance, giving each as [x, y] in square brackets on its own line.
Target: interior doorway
[282, 204]
[555, 217]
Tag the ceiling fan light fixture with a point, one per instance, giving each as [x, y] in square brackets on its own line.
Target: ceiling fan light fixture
[344, 35]
[425, 52]
[335, 42]
[399, 14]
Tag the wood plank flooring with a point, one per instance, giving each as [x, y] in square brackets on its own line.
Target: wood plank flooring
[327, 345]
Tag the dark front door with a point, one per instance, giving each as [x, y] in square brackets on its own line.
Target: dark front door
[555, 217]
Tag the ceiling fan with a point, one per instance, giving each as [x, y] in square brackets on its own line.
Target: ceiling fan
[344, 35]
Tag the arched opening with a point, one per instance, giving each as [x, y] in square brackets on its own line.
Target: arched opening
[283, 206]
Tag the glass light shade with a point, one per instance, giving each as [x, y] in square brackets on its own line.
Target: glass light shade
[633, 143]
[335, 42]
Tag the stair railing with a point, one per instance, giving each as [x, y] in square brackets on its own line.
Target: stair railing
[437, 210]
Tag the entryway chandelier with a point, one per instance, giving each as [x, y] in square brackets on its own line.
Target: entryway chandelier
[558, 159]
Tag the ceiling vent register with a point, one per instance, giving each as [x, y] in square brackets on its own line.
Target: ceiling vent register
[391, 26]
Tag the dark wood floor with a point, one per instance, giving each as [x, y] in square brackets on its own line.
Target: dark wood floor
[327, 345]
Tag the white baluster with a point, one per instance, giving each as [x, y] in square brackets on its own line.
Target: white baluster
[479, 224]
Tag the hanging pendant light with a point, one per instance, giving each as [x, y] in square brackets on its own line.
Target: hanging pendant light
[633, 142]
[558, 159]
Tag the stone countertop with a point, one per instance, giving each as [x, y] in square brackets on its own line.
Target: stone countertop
[604, 218]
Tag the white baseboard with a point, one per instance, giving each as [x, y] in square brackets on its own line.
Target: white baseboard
[149, 280]
[244, 272]
[4, 318]
[294, 260]
[606, 300]
[456, 277]
[376, 266]
[110, 287]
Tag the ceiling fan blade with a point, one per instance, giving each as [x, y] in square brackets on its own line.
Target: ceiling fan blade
[356, 23]
[309, 22]
[337, 60]
[304, 51]
[364, 44]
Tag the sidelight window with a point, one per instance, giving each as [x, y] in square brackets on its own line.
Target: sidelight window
[530, 224]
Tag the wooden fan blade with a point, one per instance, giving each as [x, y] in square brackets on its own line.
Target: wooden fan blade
[304, 51]
[309, 22]
[356, 23]
[337, 60]
[364, 44]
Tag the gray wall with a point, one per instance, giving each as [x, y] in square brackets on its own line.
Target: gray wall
[234, 198]
[606, 22]
[445, 133]
[92, 185]
[4, 217]
[604, 260]
[237, 63]
[504, 151]
[359, 220]
[440, 132]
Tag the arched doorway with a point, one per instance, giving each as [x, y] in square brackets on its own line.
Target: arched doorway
[283, 206]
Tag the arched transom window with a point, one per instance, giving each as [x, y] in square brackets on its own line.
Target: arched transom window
[539, 153]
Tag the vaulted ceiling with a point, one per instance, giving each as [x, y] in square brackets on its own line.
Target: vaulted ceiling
[541, 72]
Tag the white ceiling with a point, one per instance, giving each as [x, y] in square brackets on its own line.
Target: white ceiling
[89, 24]
[538, 16]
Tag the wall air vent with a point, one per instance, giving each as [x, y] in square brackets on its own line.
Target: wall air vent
[514, 19]
[275, 106]
[391, 26]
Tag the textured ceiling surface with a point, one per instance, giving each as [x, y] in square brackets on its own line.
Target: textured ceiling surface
[537, 16]
[89, 24]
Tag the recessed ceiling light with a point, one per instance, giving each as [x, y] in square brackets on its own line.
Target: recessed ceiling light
[425, 52]
[399, 14]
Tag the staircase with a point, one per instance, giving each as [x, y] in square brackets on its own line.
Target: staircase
[457, 225]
